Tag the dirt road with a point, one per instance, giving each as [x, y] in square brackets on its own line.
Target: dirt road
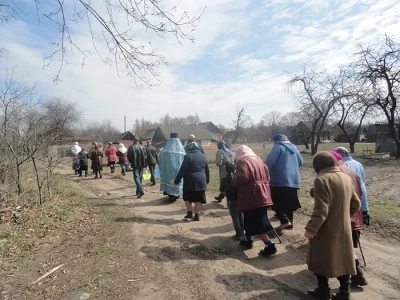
[148, 251]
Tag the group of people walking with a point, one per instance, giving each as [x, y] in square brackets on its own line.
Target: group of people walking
[252, 185]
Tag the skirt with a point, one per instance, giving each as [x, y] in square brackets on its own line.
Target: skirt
[195, 196]
[256, 221]
[285, 199]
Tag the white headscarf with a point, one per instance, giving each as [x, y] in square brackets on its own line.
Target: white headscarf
[122, 148]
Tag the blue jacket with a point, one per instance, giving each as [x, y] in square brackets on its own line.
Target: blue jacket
[194, 171]
[283, 163]
[359, 169]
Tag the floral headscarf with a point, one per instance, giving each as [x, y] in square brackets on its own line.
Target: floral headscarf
[224, 147]
[243, 151]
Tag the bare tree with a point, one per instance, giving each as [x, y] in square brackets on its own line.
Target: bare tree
[291, 119]
[99, 131]
[63, 117]
[114, 28]
[271, 123]
[14, 98]
[242, 120]
[317, 97]
[379, 66]
[352, 112]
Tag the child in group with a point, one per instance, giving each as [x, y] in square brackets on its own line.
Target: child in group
[231, 195]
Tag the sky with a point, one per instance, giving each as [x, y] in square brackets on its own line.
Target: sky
[242, 53]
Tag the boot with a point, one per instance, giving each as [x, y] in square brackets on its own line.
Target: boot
[246, 243]
[344, 289]
[101, 176]
[237, 236]
[341, 296]
[95, 174]
[219, 197]
[268, 251]
[359, 279]
[320, 293]
[196, 217]
[189, 215]
[86, 174]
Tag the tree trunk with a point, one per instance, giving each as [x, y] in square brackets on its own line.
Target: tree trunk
[352, 146]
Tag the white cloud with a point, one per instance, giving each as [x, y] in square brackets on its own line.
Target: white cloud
[250, 59]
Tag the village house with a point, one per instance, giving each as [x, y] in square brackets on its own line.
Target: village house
[200, 131]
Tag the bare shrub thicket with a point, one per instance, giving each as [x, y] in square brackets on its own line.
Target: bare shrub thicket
[27, 132]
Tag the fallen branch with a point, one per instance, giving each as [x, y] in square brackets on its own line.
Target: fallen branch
[47, 274]
[133, 280]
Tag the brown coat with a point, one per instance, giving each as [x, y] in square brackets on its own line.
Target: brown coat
[252, 182]
[97, 159]
[330, 252]
[357, 221]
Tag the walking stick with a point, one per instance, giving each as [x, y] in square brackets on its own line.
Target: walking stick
[362, 253]
[277, 236]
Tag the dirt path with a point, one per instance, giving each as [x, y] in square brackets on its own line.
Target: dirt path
[152, 253]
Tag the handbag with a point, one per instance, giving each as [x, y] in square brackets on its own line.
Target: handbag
[146, 175]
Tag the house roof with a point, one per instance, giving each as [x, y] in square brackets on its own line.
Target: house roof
[118, 136]
[200, 131]
[211, 127]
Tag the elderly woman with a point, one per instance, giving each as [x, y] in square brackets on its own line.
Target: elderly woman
[97, 160]
[83, 157]
[283, 163]
[357, 221]
[254, 197]
[330, 251]
[122, 158]
[196, 175]
[111, 154]
[224, 155]
[357, 167]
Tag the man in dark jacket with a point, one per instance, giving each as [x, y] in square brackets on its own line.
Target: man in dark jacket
[137, 157]
[152, 160]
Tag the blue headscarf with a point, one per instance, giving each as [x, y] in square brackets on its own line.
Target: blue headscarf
[224, 147]
[279, 137]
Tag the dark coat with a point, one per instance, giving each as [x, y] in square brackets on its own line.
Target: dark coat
[152, 155]
[330, 251]
[227, 188]
[252, 182]
[194, 171]
[83, 157]
[357, 221]
[122, 157]
[97, 159]
[137, 156]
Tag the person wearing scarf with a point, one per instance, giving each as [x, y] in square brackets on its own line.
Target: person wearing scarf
[330, 248]
[357, 221]
[224, 155]
[75, 160]
[97, 160]
[357, 167]
[283, 163]
[254, 197]
[196, 175]
[122, 158]
[83, 157]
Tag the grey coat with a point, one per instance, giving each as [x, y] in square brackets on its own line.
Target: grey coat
[220, 160]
